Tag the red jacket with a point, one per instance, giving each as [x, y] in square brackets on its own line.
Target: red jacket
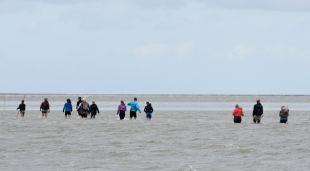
[238, 112]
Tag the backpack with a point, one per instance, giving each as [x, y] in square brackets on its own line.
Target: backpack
[84, 106]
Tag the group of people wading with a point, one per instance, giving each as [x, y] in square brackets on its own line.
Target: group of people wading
[84, 109]
[258, 112]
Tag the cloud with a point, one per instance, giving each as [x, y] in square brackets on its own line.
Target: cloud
[164, 50]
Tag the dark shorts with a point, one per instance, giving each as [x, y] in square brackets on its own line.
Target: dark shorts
[67, 113]
[122, 115]
[44, 111]
[283, 120]
[237, 119]
[133, 114]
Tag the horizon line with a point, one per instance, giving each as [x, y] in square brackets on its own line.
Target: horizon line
[150, 94]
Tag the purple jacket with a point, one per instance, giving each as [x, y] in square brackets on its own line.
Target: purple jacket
[121, 107]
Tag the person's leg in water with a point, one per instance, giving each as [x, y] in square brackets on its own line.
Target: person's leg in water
[67, 115]
[133, 114]
[254, 119]
[22, 113]
[121, 115]
[237, 119]
[283, 120]
[92, 116]
[44, 114]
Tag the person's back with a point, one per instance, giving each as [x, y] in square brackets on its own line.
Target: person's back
[284, 113]
[67, 107]
[93, 110]
[121, 110]
[78, 102]
[257, 112]
[84, 109]
[237, 113]
[45, 106]
[134, 107]
[122, 107]
[22, 108]
[148, 110]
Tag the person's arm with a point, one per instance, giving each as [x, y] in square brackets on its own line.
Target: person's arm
[77, 105]
[18, 107]
[63, 109]
[97, 109]
[262, 110]
[152, 110]
[145, 109]
[41, 106]
[118, 109]
[138, 108]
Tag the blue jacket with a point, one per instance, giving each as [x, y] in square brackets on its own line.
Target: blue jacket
[134, 106]
[67, 107]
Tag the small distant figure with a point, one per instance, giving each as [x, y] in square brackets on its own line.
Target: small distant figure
[45, 108]
[22, 108]
[148, 110]
[83, 108]
[238, 113]
[93, 110]
[121, 111]
[78, 105]
[258, 112]
[284, 112]
[134, 107]
[67, 109]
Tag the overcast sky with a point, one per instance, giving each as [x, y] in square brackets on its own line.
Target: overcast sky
[155, 46]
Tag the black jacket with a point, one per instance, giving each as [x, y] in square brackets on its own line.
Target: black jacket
[258, 110]
[22, 107]
[148, 109]
[93, 109]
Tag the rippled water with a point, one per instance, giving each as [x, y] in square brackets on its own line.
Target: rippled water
[173, 140]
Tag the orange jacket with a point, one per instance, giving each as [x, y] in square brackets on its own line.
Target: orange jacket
[238, 112]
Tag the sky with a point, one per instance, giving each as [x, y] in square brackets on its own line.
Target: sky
[155, 47]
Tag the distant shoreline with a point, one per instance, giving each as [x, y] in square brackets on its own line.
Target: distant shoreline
[91, 94]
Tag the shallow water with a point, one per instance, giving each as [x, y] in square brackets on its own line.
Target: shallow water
[173, 140]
